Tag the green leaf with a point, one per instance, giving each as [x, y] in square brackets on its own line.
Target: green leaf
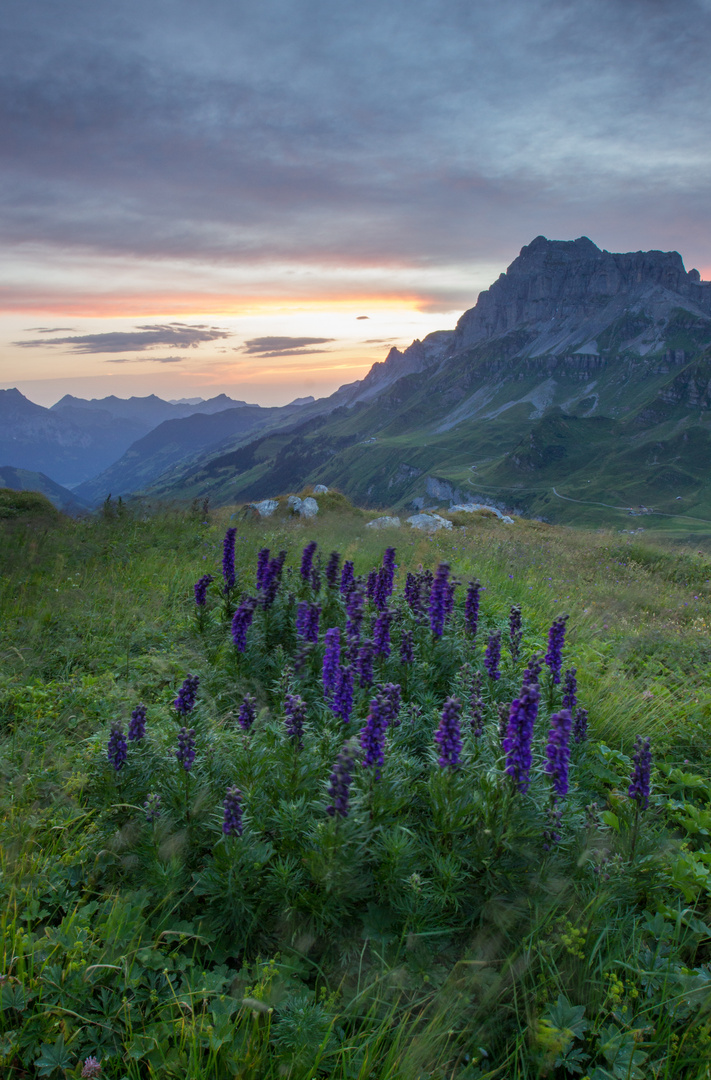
[565, 1016]
[53, 1058]
[611, 819]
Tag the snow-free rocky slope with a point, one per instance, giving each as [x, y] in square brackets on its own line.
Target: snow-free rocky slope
[578, 369]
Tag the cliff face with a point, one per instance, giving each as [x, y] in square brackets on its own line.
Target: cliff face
[557, 282]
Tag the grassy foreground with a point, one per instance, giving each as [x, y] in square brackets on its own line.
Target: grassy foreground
[429, 933]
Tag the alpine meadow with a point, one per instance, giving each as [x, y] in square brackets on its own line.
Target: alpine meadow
[303, 798]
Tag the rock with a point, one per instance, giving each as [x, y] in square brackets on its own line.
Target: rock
[429, 523]
[320, 489]
[471, 508]
[384, 523]
[266, 507]
[294, 503]
[308, 508]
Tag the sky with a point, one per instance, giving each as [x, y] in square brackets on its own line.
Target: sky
[260, 199]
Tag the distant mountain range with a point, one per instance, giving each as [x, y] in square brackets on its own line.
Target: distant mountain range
[580, 377]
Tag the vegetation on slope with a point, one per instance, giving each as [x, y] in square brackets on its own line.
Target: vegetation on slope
[428, 933]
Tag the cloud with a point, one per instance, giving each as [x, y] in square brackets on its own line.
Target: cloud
[177, 335]
[359, 317]
[47, 329]
[284, 346]
[146, 360]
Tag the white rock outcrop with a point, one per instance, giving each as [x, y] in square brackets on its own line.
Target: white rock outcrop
[320, 489]
[308, 508]
[471, 508]
[384, 523]
[429, 523]
[266, 507]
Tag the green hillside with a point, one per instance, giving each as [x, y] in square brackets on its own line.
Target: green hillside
[165, 916]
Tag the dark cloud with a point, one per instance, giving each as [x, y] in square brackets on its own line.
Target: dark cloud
[284, 346]
[47, 329]
[146, 359]
[359, 317]
[408, 134]
[177, 335]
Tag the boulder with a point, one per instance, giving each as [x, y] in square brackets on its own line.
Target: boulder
[471, 508]
[320, 489]
[429, 523]
[266, 507]
[308, 508]
[294, 503]
[384, 523]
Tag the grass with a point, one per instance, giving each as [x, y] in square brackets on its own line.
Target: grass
[428, 934]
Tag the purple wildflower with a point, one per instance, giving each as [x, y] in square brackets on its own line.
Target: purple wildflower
[200, 589]
[381, 634]
[186, 748]
[91, 1069]
[551, 834]
[307, 620]
[413, 593]
[390, 695]
[340, 783]
[449, 599]
[515, 631]
[439, 599]
[385, 577]
[370, 584]
[372, 736]
[354, 610]
[331, 661]
[407, 655]
[346, 577]
[241, 622]
[448, 735]
[228, 559]
[492, 656]
[232, 820]
[272, 579]
[185, 701]
[580, 728]
[519, 732]
[332, 565]
[343, 694]
[471, 607]
[315, 580]
[262, 564]
[247, 712]
[639, 788]
[117, 749]
[294, 716]
[570, 689]
[476, 706]
[152, 807]
[556, 640]
[558, 752]
[137, 724]
[307, 558]
[364, 664]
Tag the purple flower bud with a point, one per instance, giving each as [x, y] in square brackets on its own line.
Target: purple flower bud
[570, 689]
[228, 559]
[152, 806]
[354, 610]
[519, 732]
[340, 783]
[200, 589]
[307, 557]
[580, 729]
[372, 737]
[91, 1069]
[315, 580]
[558, 752]
[232, 820]
[492, 656]
[247, 712]
[364, 663]
[556, 640]
[241, 622]
[471, 607]
[343, 694]
[332, 566]
[390, 697]
[307, 620]
[117, 749]
[186, 748]
[346, 577]
[137, 724]
[448, 735]
[384, 580]
[381, 634]
[370, 584]
[294, 717]
[331, 661]
[185, 701]
[515, 631]
[262, 564]
[640, 779]
[407, 655]
[271, 579]
[439, 600]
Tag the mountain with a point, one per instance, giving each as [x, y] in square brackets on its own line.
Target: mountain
[24, 480]
[579, 375]
[148, 411]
